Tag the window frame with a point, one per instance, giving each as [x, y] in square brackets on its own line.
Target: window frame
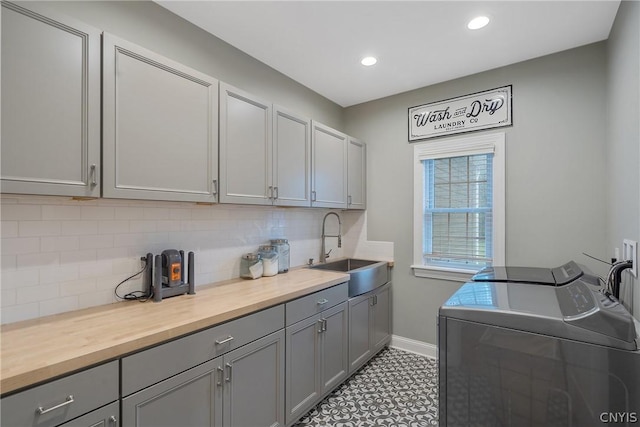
[491, 143]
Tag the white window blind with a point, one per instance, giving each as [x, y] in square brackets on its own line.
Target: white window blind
[458, 211]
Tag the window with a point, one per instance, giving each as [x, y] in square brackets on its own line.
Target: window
[459, 206]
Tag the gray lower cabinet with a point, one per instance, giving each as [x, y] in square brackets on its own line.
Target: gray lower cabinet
[190, 399]
[254, 383]
[66, 400]
[103, 417]
[245, 387]
[316, 359]
[160, 126]
[50, 103]
[369, 325]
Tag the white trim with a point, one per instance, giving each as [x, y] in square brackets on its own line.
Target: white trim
[479, 144]
[414, 346]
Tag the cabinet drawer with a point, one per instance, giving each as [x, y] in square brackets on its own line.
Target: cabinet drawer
[313, 304]
[151, 366]
[55, 402]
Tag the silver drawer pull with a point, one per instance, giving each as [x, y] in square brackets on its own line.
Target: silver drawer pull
[224, 341]
[43, 411]
[323, 301]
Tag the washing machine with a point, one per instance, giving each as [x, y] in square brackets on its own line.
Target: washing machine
[557, 276]
[521, 354]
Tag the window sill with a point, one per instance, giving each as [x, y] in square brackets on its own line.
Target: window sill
[450, 274]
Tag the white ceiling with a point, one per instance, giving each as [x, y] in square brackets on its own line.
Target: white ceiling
[417, 43]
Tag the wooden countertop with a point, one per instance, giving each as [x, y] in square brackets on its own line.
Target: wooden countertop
[41, 349]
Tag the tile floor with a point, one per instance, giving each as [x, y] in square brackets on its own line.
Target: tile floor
[396, 388]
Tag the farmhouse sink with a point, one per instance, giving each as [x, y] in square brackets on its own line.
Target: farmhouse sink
[365, 275]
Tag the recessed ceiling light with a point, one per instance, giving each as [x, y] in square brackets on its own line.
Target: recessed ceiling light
[478, 22]
[368, 61]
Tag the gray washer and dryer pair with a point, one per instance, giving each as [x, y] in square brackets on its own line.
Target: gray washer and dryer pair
[552, 351]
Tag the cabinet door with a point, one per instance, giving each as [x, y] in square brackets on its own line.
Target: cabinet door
[291, 159]
[329, 167]
[254, 384]
[190, 399]
[159, 126]
[50, 104]
[303, 367]
[382, 318]
[245, 147]
[103, 417]
[357, 174]
[360, 325]
[334, 346]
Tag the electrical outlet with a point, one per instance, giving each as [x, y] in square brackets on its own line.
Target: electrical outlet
[630, 253]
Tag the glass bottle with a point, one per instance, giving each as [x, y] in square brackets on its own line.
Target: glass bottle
[284, 251]
[251, 266]
[269, 260]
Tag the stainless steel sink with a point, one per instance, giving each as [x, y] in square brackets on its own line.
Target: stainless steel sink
[364, 275]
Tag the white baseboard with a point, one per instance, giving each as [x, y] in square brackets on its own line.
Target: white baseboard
[414, 346]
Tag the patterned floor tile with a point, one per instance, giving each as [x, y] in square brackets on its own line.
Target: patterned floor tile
[396, 388]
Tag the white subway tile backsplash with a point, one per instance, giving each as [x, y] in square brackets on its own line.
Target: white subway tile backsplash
[58, 273]
[78, 228]
[38, 228]
[53, 212]
[20, 245]
[96, 242]
[27, 294]
[98, 212]
[12, 279]
[9, 229]
[59, 243]
[16, 313]
[20, 212]
[58, 305]
[60, 254]
[37, 260]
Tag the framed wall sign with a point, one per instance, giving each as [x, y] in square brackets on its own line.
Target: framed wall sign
[478, 111]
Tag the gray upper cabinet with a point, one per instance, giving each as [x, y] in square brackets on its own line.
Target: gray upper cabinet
[245, 147]
[160, 128]
[329, 168]
[50, 104]
[291, 185]
[357, 174]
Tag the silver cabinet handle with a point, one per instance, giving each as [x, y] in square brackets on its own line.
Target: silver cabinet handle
[113, 420]
[224, 341]
[229, 367]
[271, 192]
[220, 376]
[94, 179]
[68, 401]
[275, 190]
[320, 329]
[323, 301]
[348, 200]
[215, 187]
[313, 195]
[324, 325]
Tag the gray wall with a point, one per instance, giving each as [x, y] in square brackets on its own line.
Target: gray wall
[623, 135]
[157, 29]
[555, 174]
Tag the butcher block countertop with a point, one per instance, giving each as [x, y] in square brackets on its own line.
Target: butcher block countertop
[41, 349]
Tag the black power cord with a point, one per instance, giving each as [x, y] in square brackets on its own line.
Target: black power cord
[135, 295]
